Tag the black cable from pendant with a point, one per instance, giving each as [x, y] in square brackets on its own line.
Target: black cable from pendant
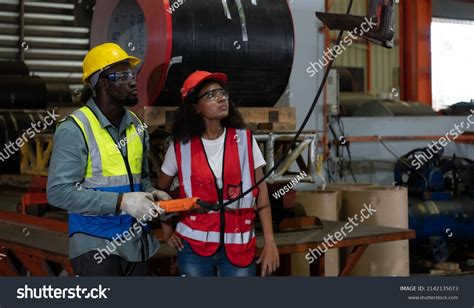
[303, 125]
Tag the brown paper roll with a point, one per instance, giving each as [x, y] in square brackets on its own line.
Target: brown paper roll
[349, 186]
[325, 205]
[391, 204]
[342, 187]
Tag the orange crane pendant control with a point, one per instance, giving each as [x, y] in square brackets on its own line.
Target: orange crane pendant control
[178, 205]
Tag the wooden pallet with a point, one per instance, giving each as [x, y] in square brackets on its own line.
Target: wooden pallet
[277, 118]
[257, 118]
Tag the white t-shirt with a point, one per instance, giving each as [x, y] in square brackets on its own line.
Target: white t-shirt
[215, 153]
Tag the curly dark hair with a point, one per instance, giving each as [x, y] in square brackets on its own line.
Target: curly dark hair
[189, 124]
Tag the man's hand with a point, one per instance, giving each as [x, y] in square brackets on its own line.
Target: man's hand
[269, 258]
[138, 204]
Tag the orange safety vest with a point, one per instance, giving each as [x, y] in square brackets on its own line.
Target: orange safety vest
[233, 226]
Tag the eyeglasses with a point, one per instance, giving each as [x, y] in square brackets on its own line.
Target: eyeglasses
[122, 77]
[214, 95]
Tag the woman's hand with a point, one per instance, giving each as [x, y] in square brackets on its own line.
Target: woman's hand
[269, 258]
[174, 241]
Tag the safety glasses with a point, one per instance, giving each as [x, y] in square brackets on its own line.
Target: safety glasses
[122, 77]
[214, 95]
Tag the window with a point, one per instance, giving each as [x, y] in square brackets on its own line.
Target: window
[452, 51]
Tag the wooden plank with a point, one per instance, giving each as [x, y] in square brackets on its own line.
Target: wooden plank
[34, 237]
[45, 223]
[352, 259]
[304, 247]
[157, 116]
[269, 115]
[274, 126]
[300, 241]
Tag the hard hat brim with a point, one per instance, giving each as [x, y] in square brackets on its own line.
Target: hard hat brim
[133, 61]
[220, 77]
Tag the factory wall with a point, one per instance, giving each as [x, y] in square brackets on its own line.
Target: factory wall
[372, 162]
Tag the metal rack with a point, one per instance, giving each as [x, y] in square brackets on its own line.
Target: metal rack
[308, 142]
[44, 35]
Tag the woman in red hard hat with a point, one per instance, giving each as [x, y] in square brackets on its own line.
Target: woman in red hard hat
[216, 159]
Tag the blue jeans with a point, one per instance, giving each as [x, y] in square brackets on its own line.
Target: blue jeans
[192, 265]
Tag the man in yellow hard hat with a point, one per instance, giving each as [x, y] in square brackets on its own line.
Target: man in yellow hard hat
[99, 172]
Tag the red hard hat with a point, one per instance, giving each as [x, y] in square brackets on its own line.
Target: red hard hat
[197, 77]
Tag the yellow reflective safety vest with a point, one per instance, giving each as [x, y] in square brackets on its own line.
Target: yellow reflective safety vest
[108, 170]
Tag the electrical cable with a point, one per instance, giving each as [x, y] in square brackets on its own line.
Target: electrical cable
[344, 166]
[300, 130]
[348, 167]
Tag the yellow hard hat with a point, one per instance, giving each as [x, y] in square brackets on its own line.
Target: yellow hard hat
[102, 56]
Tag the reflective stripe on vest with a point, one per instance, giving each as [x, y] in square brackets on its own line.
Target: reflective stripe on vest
[203, 231]
[214, 237]
[106, 170]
